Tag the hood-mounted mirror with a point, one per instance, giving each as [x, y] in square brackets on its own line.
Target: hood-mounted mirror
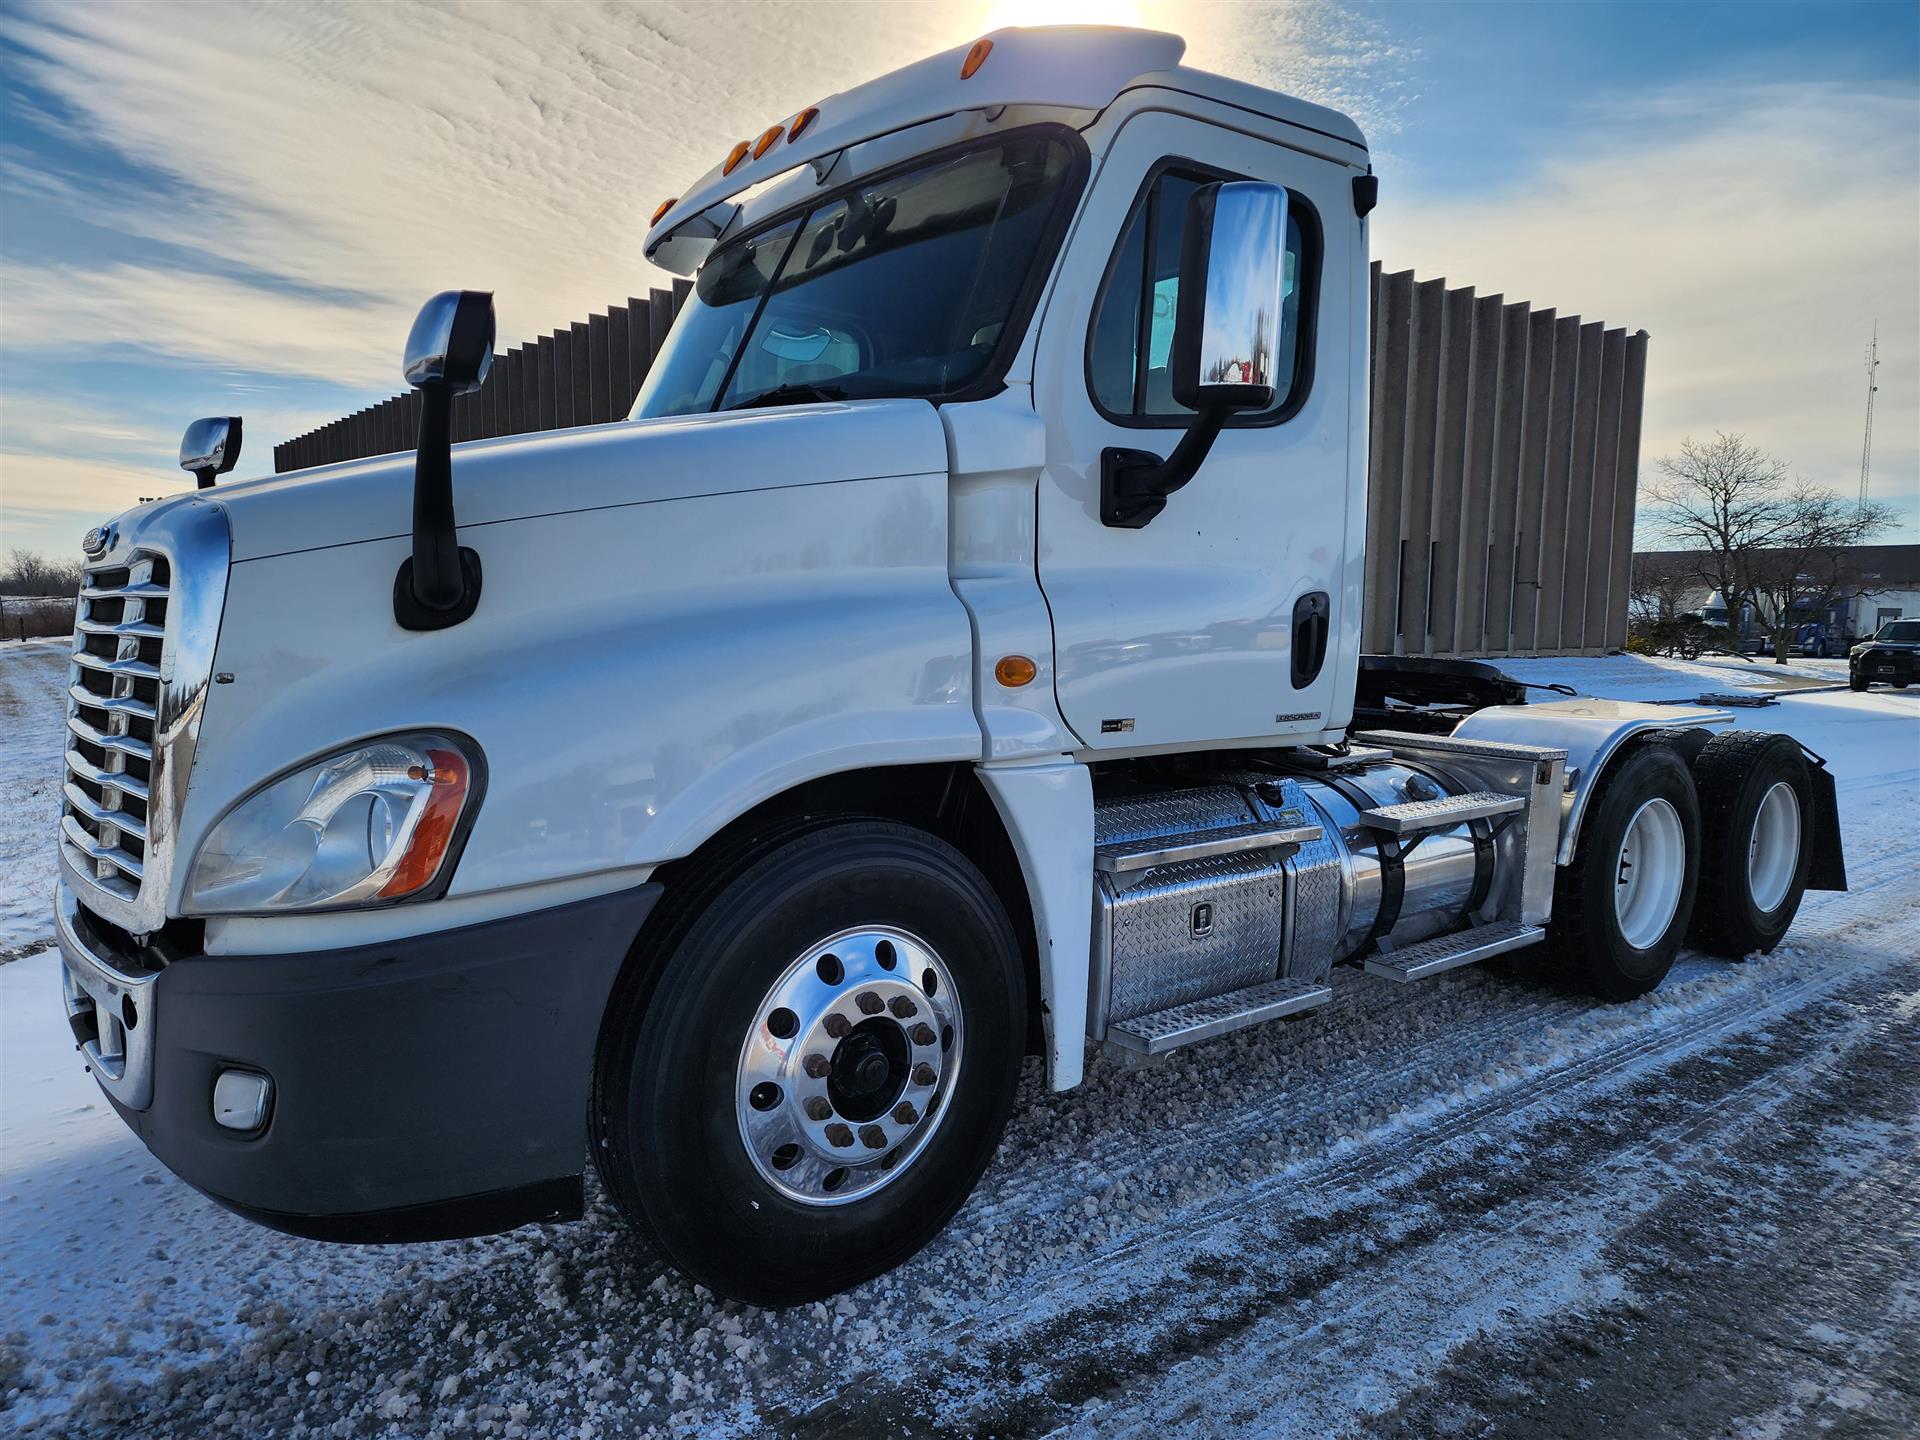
[211, 447]
[449, 353]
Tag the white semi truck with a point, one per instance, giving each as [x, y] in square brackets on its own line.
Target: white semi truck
[955, 657]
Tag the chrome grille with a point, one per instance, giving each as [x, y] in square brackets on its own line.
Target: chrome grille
[143, 639]
[113, 707]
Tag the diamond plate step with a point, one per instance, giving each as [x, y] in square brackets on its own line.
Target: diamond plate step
[1199, 1020]
[1446, 952]
[1441, 814]
[1121, 856]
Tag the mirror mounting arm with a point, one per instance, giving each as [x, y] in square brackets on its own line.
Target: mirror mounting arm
[1134, 484]
[439, 585]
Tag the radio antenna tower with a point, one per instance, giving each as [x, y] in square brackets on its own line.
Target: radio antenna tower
[1866, 439]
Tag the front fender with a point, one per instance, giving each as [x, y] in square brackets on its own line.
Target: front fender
[637, 675]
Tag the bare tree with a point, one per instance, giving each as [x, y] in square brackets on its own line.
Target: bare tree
[1809, 565]
[1720, 499]
[28, 572]
[1658, 583]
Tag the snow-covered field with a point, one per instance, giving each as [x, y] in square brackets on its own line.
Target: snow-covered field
[1481, 1205]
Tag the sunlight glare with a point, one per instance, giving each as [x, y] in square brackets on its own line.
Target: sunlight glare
[1062, 12]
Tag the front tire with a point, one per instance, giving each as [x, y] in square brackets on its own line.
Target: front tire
[1857, 681]
[1756, 808]
[824, 1067]
[1621, 909]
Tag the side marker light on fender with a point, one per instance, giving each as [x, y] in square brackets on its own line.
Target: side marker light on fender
[1013, 671]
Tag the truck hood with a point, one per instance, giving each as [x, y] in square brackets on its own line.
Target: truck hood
[591, 467]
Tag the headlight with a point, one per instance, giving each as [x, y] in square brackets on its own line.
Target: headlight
[368, 826]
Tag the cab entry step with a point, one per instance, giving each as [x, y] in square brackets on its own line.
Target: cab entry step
[1198, 1020]
[1441, 814]
[1445, 952]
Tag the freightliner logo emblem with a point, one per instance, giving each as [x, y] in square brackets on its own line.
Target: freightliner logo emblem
[97, 541]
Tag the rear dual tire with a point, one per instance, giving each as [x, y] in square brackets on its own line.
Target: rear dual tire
[1756, 806]
[1621, 910]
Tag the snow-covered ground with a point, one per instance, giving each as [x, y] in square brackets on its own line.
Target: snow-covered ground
[1480, 1205]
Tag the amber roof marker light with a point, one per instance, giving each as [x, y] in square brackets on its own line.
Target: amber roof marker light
[801, 121]
[976, 57]
[735, 156]
[663, 207]
[767, 137]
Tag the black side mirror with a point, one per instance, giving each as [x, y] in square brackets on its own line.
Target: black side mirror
[449, 352]
[211, 447]
[1226, 336]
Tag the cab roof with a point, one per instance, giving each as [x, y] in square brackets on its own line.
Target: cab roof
[1072, 67]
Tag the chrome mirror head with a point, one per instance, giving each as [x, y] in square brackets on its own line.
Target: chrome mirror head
[1226, 336]
[451, 343]
[211, 447]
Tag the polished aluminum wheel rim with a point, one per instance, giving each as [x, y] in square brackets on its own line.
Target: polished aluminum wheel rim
[1649, 874]
[849, 1065]
[1773, 854]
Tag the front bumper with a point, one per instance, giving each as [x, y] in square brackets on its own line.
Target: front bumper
[1881, 666]
[426, 1088]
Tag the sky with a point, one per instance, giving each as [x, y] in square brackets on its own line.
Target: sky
[229, 208]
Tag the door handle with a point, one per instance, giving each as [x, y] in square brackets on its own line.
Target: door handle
[1310, 619]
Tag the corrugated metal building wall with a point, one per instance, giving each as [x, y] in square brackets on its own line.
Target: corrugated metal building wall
[1503, 464]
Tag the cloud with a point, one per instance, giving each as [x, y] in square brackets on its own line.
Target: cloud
[1755, 232]
[70, 311]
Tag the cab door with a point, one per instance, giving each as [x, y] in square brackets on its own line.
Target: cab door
[1220, 620]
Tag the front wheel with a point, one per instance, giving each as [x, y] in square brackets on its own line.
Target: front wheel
[823, 1069]
[1621, 908]
[1857, 681]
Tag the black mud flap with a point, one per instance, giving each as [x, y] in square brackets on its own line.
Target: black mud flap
[1827, 865]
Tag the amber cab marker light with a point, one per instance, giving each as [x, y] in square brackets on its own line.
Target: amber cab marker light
[735, 156]
[801, 121]
[663, 207]
[976, 57]
[1013, 671]
[765, 142]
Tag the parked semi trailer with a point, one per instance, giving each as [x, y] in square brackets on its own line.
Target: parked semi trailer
[954, 658]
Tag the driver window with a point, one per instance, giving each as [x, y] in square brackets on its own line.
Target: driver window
[1136, 311]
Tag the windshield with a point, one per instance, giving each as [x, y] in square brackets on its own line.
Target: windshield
[1901, 632]
[901, 286]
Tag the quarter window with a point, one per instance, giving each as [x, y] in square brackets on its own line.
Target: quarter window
[1132, 339]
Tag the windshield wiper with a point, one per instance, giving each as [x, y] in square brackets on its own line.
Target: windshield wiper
[791, 395]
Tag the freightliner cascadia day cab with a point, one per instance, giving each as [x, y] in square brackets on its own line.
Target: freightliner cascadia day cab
[954, 658]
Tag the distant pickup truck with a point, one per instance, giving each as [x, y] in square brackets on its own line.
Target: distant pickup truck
[1889, 657]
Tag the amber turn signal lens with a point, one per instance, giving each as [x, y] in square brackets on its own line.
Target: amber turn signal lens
[976, 57]
[1013, 671]
[765, 142]
[800, 122]
[434, 832]
[734, 157]
[663, 207]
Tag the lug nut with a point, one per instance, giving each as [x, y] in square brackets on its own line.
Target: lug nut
[819, 1108]
[923, 1074]
[873, 1137]
[839, 1135]
[905, 1113]
[903, 1008]
[923, 1035]
[869, 1003]
[839, 1027]
[818, 1066]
